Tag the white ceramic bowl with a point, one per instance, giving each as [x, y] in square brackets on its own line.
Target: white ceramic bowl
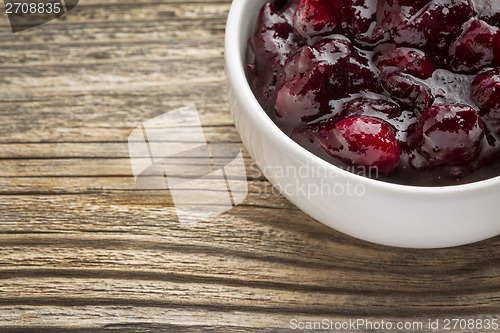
[376, 211]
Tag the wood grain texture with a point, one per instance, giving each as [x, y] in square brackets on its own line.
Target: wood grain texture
[83, 248]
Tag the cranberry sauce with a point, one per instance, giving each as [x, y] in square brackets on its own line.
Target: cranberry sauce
[408, 88]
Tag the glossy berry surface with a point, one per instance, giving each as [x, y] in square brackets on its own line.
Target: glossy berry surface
[485, 92]
[303, 96]
[410, 87]
[404, 59]
[408, 91]
[434, 27]
[271, 44]
[363, 141]
[332, 68]
[449, 134]
[317, 18]
[475, 49]
[371, 107]
[353, 18]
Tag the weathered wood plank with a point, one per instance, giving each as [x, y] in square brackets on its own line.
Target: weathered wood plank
[108, 319]
[89, 291]
[81, 167]
[220, 265]
[151, 215]
[96, 150]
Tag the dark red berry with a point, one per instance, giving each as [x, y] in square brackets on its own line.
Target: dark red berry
[408, 60]
[435, 26]
[382, 109]
[361, 22]
[349, 79]
[475, 48]
[353, 18]
[329, 51]
[364, 142]
[317, 18]
[351, 67]
[271, 44]
[330, 69]
[411, 93]
[273, 39]
[449, 134]
[485, 92]
[302, 97]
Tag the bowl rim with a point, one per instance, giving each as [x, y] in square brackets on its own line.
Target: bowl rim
[235, 73]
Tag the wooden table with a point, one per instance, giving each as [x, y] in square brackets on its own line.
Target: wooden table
[83, 247]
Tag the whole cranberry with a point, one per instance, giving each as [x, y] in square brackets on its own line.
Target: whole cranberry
[302, 97]
[331, 69]
[351, 67]
[475, 48]
[316, 18]
[449, 134]
[328, 51]
[411, 93]
[384, 109]
[485, 92]
[363, 141]
[408, 60]
[353, 18]
[271, 44]
[273, 38]
[435, 27]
